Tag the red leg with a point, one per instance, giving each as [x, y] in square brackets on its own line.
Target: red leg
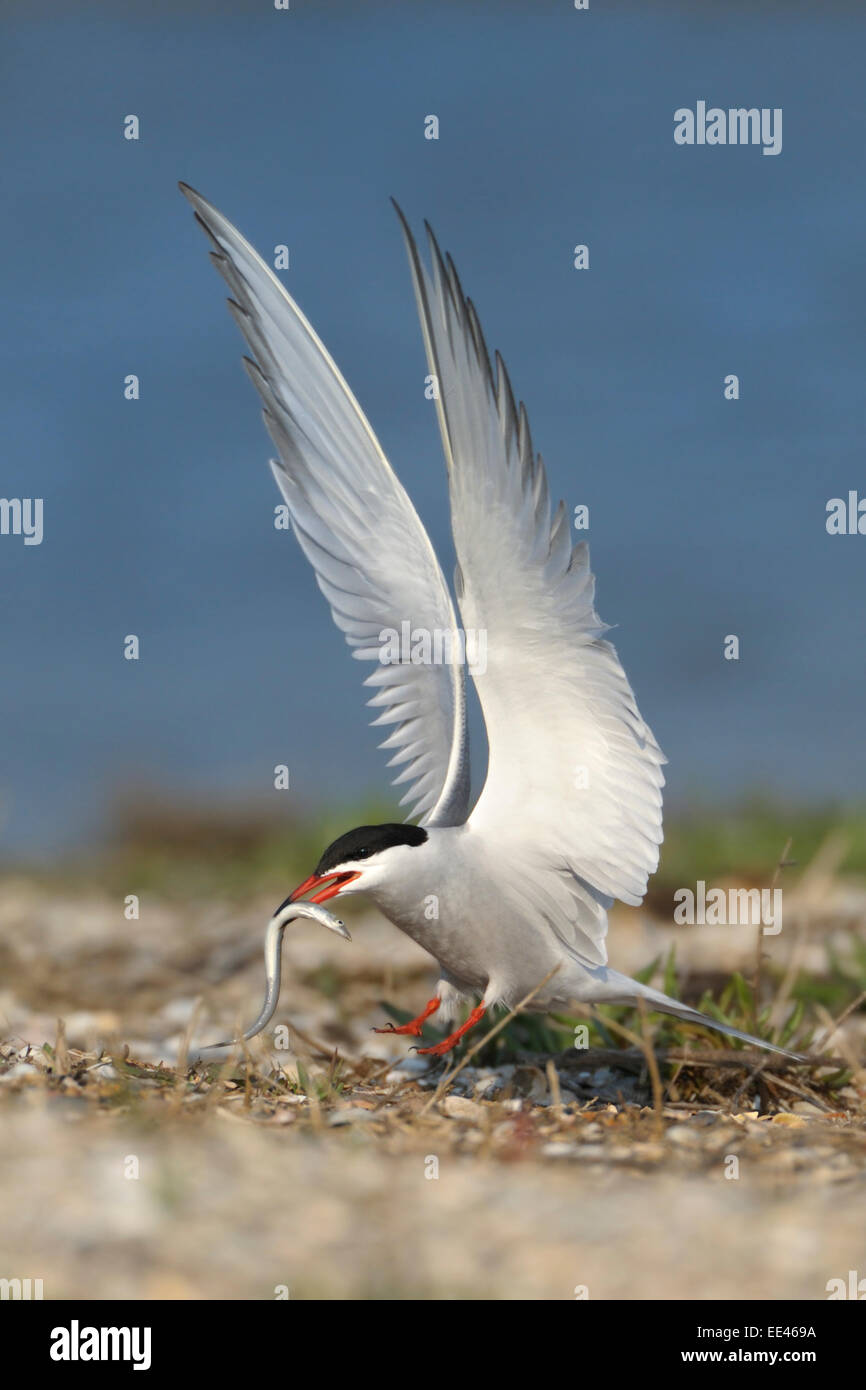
[439, 1049]
[417, 1023]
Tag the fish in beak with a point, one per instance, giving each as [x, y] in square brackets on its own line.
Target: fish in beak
[284, 914]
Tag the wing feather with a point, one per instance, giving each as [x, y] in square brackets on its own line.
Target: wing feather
[572, 800]
[372, 558]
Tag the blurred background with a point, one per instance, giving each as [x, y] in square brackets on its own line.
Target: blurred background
[556, 128]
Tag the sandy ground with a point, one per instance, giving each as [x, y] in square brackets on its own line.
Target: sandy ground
[314, 1177]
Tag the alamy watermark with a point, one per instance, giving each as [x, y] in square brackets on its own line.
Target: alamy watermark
[846, 516]
[77, 1343]
[738, 125]
[422, 646]
[22, 516]
[736, 907]
[854, 1288]
[18, 1289]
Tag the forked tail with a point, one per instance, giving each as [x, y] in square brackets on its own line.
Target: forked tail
[666, 1005]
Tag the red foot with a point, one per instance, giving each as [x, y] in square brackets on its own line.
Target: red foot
[439, 1049]
[414, 1028]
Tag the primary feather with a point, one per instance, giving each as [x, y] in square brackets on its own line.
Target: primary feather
[355, 523]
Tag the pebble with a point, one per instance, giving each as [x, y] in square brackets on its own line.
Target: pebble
[598, 1078]
[829, 1174]
[410, 1066]
[590, 1132]
[352, 1115]
[20, 1071]
[459, 1108]
[179, 1011]
[530, 1083]
[83, 1027]
[105, 1071]
[683, 1135]
[648, 1153]
[789, 1159]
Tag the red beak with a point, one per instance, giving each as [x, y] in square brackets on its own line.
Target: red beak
[333, 883]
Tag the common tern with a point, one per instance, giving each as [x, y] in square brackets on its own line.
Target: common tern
[515, 890]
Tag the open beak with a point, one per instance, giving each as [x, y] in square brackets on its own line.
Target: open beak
[327, 886]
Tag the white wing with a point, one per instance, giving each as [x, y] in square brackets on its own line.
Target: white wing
[571, 807]
[372, 557]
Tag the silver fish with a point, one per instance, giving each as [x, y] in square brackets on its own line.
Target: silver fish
[273, 957]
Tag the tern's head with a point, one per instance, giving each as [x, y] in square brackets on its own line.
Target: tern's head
[362, 859]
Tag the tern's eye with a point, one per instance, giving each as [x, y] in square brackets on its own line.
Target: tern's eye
[362, 854]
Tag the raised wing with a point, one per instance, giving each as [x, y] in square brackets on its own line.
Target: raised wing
[571, 807]
[372, 557]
